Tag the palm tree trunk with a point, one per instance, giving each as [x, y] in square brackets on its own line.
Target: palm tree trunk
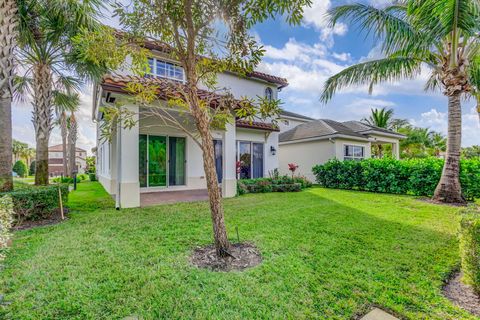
[8, 29]
[449, 189]
[42, 119]
[72, 140]
[63, 131]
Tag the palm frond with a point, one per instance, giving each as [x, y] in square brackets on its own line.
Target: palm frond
[433, 83]
[68, 83]
[64, 102]
[371, 73]
[389, 24]
[22, 88]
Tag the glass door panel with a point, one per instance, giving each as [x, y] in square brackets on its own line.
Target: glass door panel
[176, 161]
[245, 158]
[257, 160]
[143, 160]
[157, 161]
[217, 146]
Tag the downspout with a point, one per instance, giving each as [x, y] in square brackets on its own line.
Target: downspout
[119, 164]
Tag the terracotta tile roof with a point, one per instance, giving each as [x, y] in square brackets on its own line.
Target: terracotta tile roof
[256, 125]
[167, 88]
[282, 82]
[58, 148]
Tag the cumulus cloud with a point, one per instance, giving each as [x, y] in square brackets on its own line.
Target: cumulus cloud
[438, 121]
[344, 56]
[295, 51]
[316, 16]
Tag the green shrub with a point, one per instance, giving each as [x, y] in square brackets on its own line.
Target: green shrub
[414, 176]
[469, 241]
[31, 171]
[6, 220]
[272, 184]
[20, 168]
[82, 176]
[92, 176]
[34, 203]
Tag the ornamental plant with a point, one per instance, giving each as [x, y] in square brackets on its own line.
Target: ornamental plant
[292, 167]
[6, 221]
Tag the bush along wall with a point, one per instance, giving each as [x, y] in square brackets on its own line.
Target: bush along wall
[277, 184]
[414, 176]
[469, 241]
[36, 203]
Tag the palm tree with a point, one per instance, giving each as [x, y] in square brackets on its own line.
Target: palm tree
[72, 144]
[8, 30]
[45, 40]
[438, 143]
[439, 34]
[383, 118]
[17, 150]
[65, 102]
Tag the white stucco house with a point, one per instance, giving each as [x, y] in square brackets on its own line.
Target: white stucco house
[153, 158]
[317, 141]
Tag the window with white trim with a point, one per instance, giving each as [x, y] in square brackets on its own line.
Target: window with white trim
[163, 69]
[352, 152]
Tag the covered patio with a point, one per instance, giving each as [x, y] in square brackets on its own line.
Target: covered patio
[148, 199]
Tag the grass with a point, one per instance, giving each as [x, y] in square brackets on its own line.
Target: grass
[328, 254]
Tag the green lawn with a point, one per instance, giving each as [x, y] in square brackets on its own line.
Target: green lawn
[328, 254]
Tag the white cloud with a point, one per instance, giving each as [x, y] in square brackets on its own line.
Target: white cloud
[344, 56]
[295, 51]
[316, 16]
[438, 121]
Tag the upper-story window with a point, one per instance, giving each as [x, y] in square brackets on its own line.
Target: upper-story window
[351, 152]
[269, 94]
[165, 69]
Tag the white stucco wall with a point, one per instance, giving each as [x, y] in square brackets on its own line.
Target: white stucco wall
[285, 124]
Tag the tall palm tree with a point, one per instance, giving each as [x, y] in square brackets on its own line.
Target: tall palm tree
[45, 40]
[72, 144]
[65, 102]
[8, 30]
[18, 149]
[28, 155]
[439, 34]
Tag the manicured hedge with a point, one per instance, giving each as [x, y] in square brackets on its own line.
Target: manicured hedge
[469, 241]
[35, 203]
[413, 176]
[278, 184]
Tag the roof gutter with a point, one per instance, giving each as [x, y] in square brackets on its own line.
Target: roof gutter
[327, 137]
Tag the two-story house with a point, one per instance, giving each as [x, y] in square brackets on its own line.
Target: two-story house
[151, 157]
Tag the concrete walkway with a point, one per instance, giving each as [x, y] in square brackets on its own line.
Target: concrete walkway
[163, 197]
[378, 314]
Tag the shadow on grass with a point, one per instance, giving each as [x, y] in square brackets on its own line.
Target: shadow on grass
[327, 254]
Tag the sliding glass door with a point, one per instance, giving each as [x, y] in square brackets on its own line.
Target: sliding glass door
[176, 172]
[250, 155]
[159, 167]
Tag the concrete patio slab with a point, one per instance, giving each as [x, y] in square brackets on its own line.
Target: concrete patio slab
[378, 314]
[164, 197]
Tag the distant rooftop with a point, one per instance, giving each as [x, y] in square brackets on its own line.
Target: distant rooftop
[59, 148]
[294, 115]
[326, 127]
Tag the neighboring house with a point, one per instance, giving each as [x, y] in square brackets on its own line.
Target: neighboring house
[316, 142]
[151, 157]
[55, 160]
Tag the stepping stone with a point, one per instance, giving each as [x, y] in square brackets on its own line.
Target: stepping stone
[378, 314]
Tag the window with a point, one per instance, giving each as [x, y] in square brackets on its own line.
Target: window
[250, 155]
[165, 69]
[286, 122]
[351, 152]
[269, 94]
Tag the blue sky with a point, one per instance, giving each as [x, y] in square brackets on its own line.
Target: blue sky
[307, 55]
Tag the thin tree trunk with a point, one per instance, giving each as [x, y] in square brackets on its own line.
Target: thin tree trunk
[63, 131]
[72, 140]
[449, 189]
[380, 151]
[8, 30]
[42, 119]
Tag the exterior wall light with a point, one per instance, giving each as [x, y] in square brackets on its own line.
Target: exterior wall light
[273, 150]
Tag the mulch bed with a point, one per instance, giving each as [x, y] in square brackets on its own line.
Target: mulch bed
[243, 256]
[55, 218]
[462, 294]
[429, 200]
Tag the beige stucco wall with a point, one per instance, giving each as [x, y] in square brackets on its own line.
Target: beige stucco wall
[305, 155]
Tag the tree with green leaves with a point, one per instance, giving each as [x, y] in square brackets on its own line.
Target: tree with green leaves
[471, 152]
[20, 168]
[45, 32]
[441, 35]
[189, 30]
